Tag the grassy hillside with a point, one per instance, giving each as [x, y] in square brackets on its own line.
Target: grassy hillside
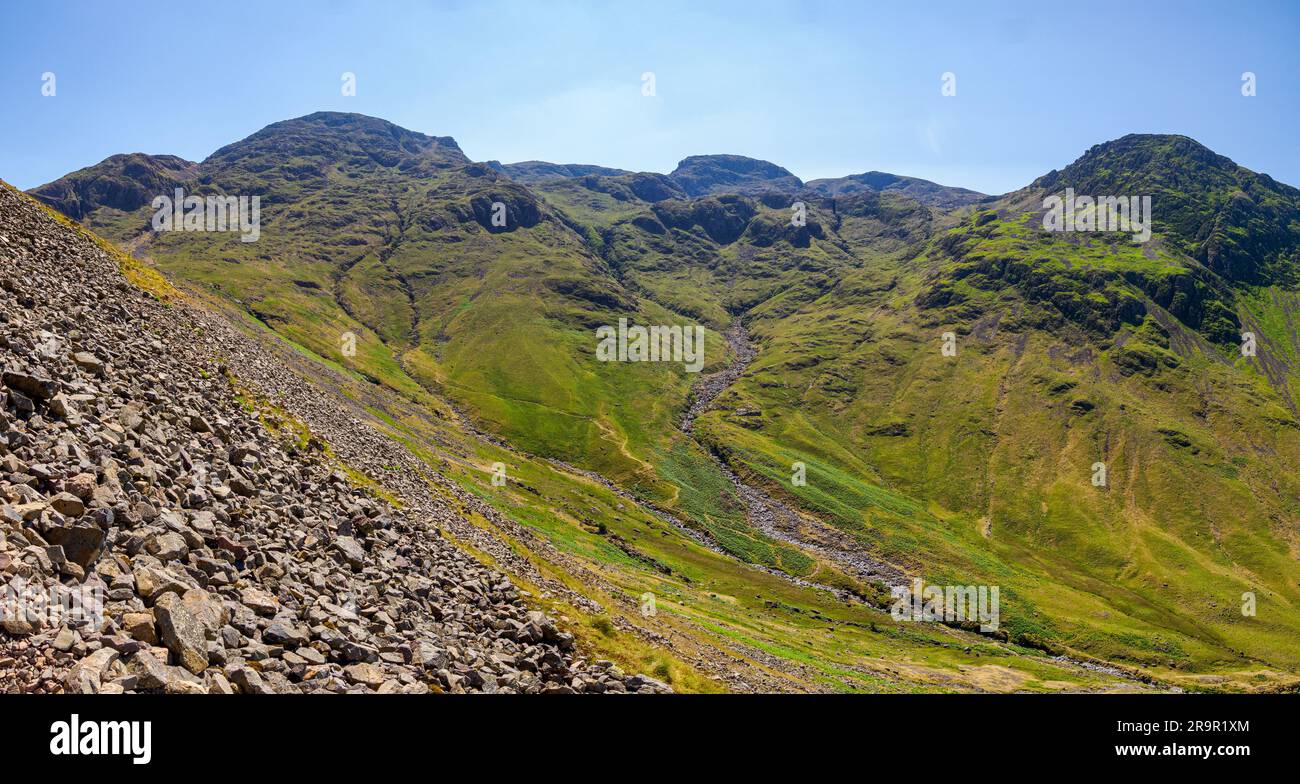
[1072, 350]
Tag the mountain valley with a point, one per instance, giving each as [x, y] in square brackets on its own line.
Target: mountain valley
[941, 375]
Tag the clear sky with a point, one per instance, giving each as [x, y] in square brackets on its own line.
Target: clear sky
[822, 88]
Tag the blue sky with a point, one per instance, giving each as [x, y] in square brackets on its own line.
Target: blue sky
[824, 89]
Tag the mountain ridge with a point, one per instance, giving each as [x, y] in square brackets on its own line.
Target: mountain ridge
[699, 172]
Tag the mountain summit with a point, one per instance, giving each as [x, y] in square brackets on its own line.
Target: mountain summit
[701, 175]
[328, 138]
[924, 191]
[120, 182]
[1239, 223]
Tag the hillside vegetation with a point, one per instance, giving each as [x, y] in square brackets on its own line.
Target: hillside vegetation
[978, 468]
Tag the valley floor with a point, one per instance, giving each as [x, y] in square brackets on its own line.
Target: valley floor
[634, 583]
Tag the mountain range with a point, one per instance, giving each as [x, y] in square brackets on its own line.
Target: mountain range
[1069, 416]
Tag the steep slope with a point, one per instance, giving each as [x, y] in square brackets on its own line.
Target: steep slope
[206, 541]
[388, 235]
[1072, 351]
[1240, 224]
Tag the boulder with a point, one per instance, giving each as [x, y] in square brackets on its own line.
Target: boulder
[183, 627]
[82, 544]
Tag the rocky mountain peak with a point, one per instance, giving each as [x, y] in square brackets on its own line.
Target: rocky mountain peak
[701, 175]
[1236, 221]
[322, 140]
[929, 193]
[123, 182]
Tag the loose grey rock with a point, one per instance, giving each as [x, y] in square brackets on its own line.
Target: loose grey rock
[351, 550]
[182, 630]
[132, 465]
[82, 544]
[86, 675]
